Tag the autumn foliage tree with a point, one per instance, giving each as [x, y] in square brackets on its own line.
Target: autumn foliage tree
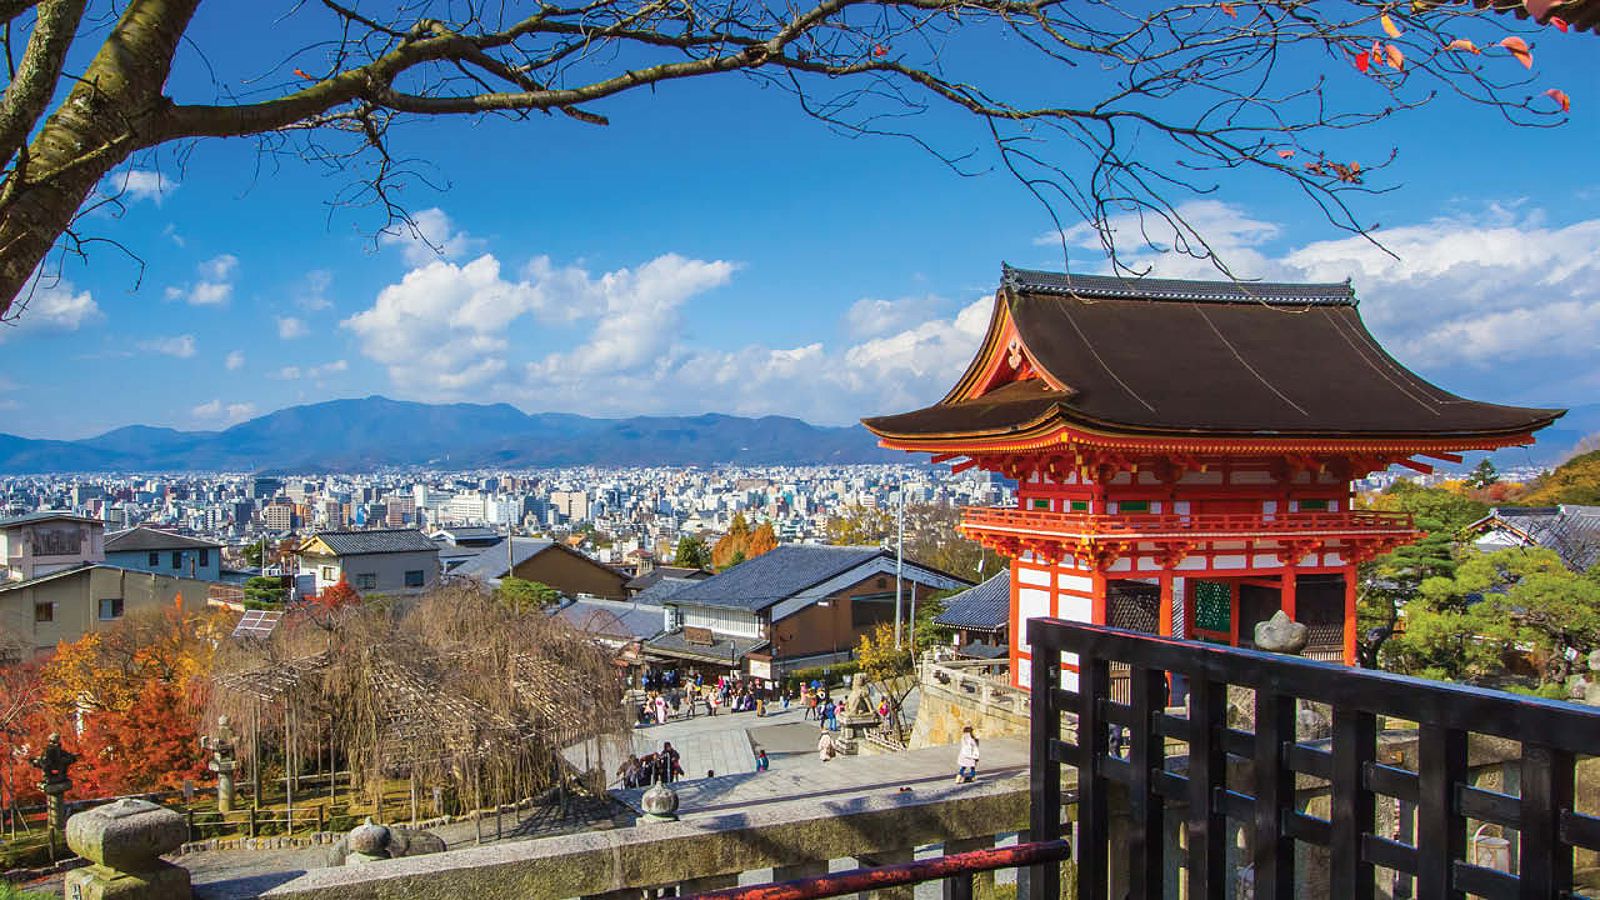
[153, 744]
[1184, 96]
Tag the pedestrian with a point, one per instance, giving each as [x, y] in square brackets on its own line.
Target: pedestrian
[967, 757]
[711, 773]
[830, 714]
[661, 710]
[827, 747]
[673, 769]
[785, 699]
[761, 760]
[761, 707]
[712, 703]
[811, 704]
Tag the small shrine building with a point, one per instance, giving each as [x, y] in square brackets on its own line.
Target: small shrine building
[1184, 452]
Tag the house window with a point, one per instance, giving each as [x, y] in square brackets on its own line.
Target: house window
[414, 578]
[1080, 506]
[366, 581]
[177, 559]
[44, 612]
[1129, 506]
[110, 608]
[1313, 506]
[155, 558]
[205, 556]
[328, 574]
[1041, 504]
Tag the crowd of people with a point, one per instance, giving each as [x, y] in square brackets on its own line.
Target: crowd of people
[662, 767]
[667, 696]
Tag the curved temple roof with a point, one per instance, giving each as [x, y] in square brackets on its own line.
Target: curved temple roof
[1154, 357]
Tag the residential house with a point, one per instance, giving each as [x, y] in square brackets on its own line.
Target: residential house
[152, 550]
[67, 604]
[645, 580]
[383, 561]
[796, 606]
[548, 562]
[43, 542]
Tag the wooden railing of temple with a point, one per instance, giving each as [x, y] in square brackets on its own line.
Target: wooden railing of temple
[1154, 526]
[1551, 735]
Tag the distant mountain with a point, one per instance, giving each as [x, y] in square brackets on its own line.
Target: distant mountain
[358, 435]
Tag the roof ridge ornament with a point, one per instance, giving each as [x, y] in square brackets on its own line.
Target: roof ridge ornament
[1183, 290]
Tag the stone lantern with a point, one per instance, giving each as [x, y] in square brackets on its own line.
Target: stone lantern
[224, 761]
[124, 841]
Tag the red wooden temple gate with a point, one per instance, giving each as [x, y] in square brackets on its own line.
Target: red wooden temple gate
[1184, 452]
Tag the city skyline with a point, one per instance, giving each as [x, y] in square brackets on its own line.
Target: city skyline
[679, 261]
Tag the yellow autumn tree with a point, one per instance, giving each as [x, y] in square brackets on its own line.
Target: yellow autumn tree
[108, 670]
[733, 548]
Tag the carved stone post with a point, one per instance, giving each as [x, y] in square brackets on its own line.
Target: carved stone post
[52, 765]
[124, 840]
[224, 761]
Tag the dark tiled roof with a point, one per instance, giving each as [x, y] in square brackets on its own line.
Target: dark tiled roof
[471, 533]
[47, 516]
[986, 607]
[383, 540]
[663, 589]
[978, 650]
[1132, 362]
[725, 650]
[619, 621]
[1028, 281]
[1572, 531]
[640, 582]
[142, 538]
[774, 576]
[492, 562]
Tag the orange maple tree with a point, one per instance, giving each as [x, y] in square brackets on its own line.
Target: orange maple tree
[152, 745]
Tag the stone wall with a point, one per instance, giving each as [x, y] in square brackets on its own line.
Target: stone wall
[955, 696]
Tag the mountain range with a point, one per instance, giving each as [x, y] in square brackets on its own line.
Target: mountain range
[375, 432]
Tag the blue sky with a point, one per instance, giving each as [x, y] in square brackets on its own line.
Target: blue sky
[715, 250]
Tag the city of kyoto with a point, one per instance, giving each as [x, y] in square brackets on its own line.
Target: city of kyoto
[755, 450]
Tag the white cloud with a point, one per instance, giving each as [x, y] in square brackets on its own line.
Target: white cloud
[139, 184]
[313, 298]
[181, 346]
[294, 373]
[52, 305]
[235, 361]
[290, 328]
[288, 373]
[441, 329]
[870, 317]
[214, 285]
[230, 413]
[429, 237]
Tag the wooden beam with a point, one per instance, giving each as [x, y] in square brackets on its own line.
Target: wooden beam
[945, 457]
[1424, 468]
[1447, 457]
[958, 468]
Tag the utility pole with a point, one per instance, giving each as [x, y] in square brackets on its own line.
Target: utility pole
[899, 497]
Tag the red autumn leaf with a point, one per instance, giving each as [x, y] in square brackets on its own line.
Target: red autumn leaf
[1559, 23]
[1285, 154]
[1394, 57]
[1228, 8]
[1540, 8]
[880, 50]
[1560, 97]
[1519, 49]
[1463, 44]
[1389, 27]
[1362, 61]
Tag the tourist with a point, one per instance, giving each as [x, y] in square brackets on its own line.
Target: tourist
[761, 760]
[712, 703]
[830, 714]
[811, 703]
[661, 710]
[761, 707]
[673, 769]
[629, 772]
[967, 757]
[785, 699]
[711, 773]
[827, 746]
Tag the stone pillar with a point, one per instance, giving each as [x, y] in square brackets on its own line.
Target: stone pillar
[53, 764]
[814, 869]
[124, 841]
[224, 761]
[888, 858]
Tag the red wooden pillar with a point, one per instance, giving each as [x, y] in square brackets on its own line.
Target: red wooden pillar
[1098, 611]
[1351, 574]
[1233, 613]
[1286, 592]
[1164, 614]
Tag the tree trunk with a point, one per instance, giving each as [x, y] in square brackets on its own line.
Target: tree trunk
[115, 109]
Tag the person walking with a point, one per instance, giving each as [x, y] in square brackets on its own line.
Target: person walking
[827, 746]
[967, 757]
[761, 761]
[673, 769]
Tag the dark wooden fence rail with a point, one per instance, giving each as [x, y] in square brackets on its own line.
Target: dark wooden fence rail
[1551, 734]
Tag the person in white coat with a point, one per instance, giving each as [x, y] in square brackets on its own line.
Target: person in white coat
[967, 756]
[827, 746]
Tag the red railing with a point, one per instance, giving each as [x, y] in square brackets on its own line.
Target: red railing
[1159, 525]
[956, 870]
